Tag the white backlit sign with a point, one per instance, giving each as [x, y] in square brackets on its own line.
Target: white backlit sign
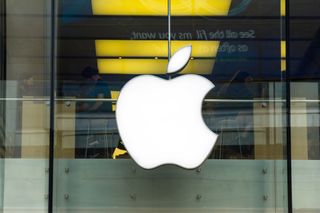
[160, 121]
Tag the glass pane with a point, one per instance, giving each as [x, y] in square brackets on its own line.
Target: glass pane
[304, 64]
[24, 105]
[102, 44]
[238, 46]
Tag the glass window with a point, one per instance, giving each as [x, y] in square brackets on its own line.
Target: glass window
[304, 69]
[24, 105]
[265, 103]
[102, 44]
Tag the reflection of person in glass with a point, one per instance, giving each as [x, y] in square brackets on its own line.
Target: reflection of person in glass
[32, 85]
[92, 140]
[240, 113]
[96, 88]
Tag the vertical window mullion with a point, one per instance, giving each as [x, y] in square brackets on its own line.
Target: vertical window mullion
[52, 102]
[288, 106]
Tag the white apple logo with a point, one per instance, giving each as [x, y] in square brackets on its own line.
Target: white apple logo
[160, 121]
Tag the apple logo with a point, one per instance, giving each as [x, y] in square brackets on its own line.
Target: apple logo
[160, 121]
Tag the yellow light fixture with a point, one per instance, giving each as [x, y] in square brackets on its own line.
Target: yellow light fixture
[283, 56]
[114, 95]
[283, 7]
[283, 49]
[151, 66]
[153, 48]
[283, 65]
[160, 7]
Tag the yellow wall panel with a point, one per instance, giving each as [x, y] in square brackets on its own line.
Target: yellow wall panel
[153, 48]
[160, 7]
[151, 66]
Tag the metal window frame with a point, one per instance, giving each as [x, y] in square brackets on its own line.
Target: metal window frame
[52, 103]
[288, 107]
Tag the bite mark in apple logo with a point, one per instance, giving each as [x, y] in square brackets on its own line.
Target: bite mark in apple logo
[160, 121]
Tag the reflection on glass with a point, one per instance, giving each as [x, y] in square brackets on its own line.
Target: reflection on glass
[236, 45]
[238, 55]
[24, 105]
[305, 138]
[87, 127]
[92, 138]
[245, 69]
[101, 45]
[239, 143]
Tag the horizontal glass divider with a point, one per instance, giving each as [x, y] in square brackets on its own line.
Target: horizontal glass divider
[25, 99]
[205, 100]
[236, 17]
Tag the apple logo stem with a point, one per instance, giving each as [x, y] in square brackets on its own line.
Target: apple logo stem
[160, 121]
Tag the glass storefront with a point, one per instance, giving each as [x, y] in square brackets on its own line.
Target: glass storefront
[64, 63]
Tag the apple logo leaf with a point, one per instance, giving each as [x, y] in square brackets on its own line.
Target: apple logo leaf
[179, 60]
